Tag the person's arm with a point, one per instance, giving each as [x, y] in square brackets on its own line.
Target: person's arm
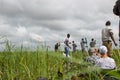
[75, 45]
[95, 41]
[112, 64]
[111, 35]
[67, 43]
[97, 63]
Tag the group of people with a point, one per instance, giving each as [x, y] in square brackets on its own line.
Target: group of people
[104, 53]
[101, 56]
[84, 45]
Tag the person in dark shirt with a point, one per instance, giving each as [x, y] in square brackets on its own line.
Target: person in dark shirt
[116, 11]
[92, 43]
[57, 46]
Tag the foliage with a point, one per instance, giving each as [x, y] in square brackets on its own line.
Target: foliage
[31, 65]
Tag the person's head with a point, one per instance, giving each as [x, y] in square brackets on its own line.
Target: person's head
[108, 23]
[91, 51]
[103, 50]
[92, 39]
[68, 35]
[82, 39]
[72, 41]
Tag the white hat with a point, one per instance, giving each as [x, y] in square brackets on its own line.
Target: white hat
[103, 49]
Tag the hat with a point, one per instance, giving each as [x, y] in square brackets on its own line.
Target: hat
[103, 49]
[92, 50]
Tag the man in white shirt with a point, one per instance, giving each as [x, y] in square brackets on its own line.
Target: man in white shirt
[67, 46]
[105, 62]
[107, 35]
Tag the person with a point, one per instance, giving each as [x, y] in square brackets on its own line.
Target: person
[67, 46]
[98, 53]
[92, 56]
[92, 43]
[107, 35]
[116, 11]
[74, 46]
[56, 46]
[105, 62]
[82, 45]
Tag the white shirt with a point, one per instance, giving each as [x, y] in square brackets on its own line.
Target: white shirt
[66, 42]
[106, 34]
[82, 45]
[106, 63]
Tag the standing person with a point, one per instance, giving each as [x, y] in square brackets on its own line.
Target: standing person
[93, 43]
[116, 11]
[107, 35]
[82, 43]
[57, 46]
[74, 46]
[105, 62]
[67, 46]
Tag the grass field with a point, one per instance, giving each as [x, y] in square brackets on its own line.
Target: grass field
[31, 65]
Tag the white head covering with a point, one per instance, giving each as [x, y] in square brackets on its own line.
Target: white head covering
[103, 49]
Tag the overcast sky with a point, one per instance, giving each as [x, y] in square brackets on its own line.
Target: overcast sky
[50, 20]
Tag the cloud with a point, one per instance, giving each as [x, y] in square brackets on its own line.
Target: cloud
[51, 20]
[21, 31]
[36, 37]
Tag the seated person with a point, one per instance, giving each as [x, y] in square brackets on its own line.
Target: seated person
[92, 56]
[105, 62]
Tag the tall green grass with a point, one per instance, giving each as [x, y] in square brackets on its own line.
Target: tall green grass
[20, 64]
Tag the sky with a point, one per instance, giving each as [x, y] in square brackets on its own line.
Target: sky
[31, 22]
